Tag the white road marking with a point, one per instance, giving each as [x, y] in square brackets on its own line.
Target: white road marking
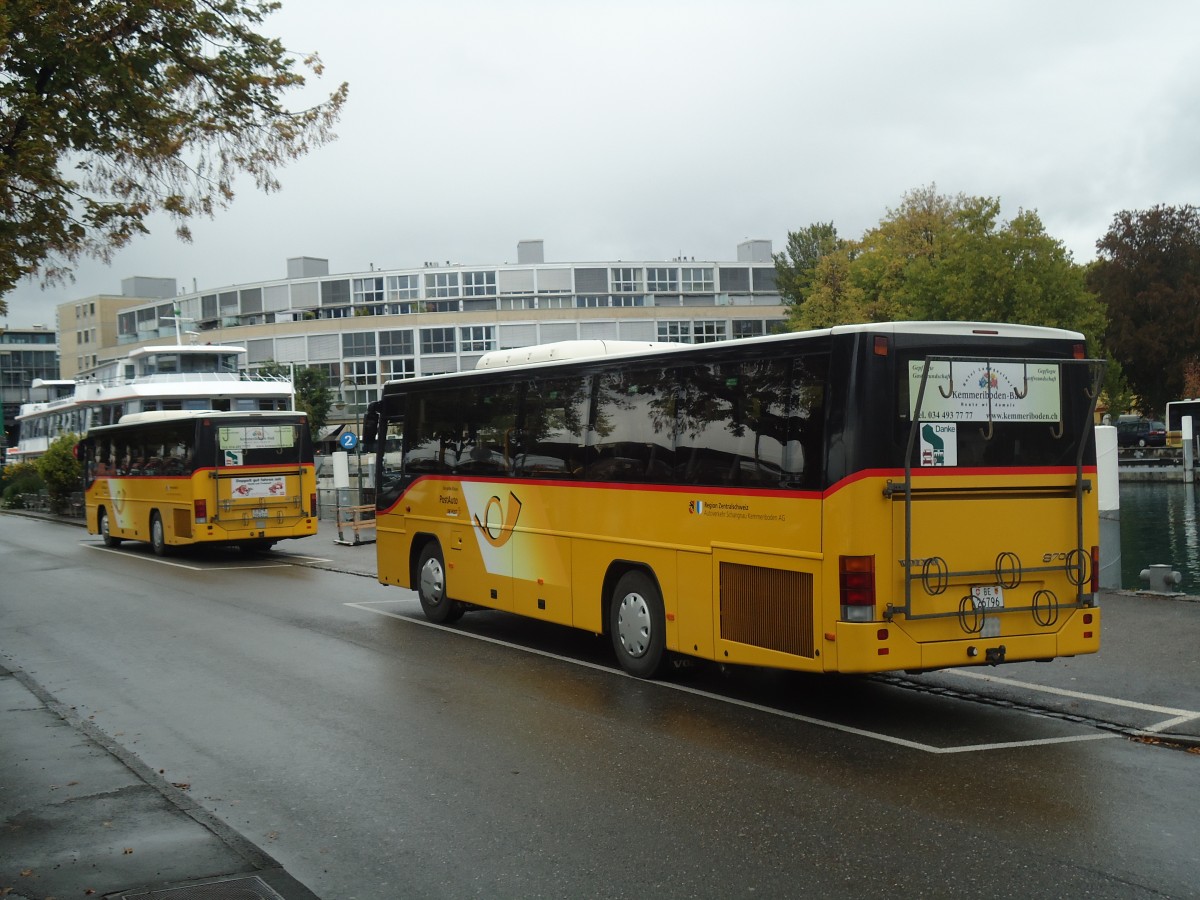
[1170, 723]
[1078, 695]
[1179, 716]
[182, 565]
[371, 607]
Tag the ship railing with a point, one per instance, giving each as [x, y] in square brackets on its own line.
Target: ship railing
[170, 377]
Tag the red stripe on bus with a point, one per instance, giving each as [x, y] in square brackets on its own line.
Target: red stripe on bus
[947, 472]
[793, 494]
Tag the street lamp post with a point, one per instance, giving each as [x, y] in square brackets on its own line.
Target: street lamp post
[5, 359]
[357, 433]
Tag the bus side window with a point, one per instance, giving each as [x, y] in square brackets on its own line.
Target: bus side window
[433, 437]
[491, 412]
[634, 428]
[102, 452]
[550, 441]
[707, 445]
[178, 460]
[803, 462]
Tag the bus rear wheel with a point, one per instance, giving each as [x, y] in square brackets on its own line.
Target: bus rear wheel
[109, 540]
[431, 587]
[637, 624]
[158, 537]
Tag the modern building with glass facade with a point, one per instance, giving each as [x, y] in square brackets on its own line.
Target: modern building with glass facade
[365, 328]
[26, 355]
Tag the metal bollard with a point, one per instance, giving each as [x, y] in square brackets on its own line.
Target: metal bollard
[1162, 578]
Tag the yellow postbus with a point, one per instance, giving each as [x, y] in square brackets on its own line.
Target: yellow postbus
[1177, 411]
[863, 498]
[177, 478]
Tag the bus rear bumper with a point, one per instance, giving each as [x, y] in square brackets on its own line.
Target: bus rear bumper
[882, 647]
[300, 528]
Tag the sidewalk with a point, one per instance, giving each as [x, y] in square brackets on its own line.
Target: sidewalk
[353, 559]
[82, 817]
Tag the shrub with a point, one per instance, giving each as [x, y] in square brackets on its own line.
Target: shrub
[61, 471]
[15, 480]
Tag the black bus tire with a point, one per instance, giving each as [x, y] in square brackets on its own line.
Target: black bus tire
[637, 624]
[158, 537]
[431, 587]
[109, 540]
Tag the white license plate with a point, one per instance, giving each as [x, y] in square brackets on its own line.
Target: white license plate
[262, 514]
[988, 596]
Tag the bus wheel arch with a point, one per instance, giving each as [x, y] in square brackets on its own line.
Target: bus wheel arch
[103, 528]
[158, 534]
[635, 618]
[429, 579]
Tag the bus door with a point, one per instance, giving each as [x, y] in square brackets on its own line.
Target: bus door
[994, 522]
[259, 481]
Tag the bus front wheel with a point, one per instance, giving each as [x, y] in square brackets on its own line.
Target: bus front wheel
[109, 540]
[158, 537]
[431, 587]
[638, 624]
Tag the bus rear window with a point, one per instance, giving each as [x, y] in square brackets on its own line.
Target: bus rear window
[986, 390]
[259, 444]
[989, 412]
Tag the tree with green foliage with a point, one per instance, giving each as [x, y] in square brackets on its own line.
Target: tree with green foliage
[950, 258]
[61, 471]
[113, 110]
[313, 394]
[1148, 276]
[797, 264]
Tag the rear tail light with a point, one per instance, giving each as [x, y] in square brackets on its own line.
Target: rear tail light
[1095, 569]
[856, 578]
[312, 504]
[1080, 351]
[201, 511]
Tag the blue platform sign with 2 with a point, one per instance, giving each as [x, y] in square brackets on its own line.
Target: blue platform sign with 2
[348, 440]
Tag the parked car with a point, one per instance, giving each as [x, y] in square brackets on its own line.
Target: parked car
[1141, 433]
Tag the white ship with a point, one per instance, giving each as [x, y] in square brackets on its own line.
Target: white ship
[165, 377]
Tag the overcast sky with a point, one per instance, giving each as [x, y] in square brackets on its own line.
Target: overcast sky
[650, 130]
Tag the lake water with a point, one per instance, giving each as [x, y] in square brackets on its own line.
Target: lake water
[1159, 525]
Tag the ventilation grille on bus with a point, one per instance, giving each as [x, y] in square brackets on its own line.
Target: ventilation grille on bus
[768, 608]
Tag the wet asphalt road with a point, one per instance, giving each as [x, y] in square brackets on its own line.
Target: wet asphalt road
[375, 756]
